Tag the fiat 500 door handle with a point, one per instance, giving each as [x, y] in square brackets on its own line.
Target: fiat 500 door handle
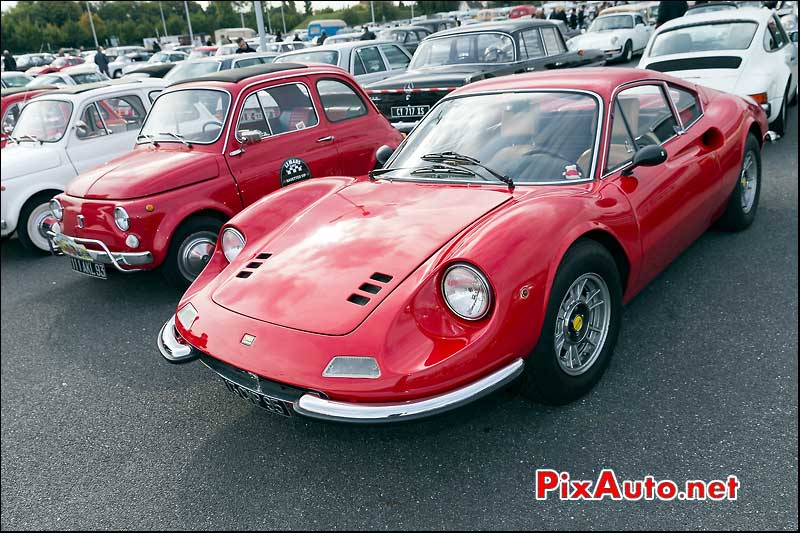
[326, 139]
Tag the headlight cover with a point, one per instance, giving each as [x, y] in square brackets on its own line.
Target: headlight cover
[56, 210]
[232, 243]
[466, 291]
[121, 218]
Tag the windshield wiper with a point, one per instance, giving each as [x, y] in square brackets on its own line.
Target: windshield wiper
[459, 159]
[148, 138]
[31, 138]
[176, 136]
[445, 169]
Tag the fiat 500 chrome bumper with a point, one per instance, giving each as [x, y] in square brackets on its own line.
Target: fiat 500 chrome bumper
[313, 405]
[61, 244]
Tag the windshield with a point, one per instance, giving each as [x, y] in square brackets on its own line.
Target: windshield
[532, 137]
[193, 115]
[612, 22]
[16, 80]
[87, 77]
[44, 120]
[704, 38]
[191, 70]
[47, 79]
[159, 57]
[464, 49]
[330, 57]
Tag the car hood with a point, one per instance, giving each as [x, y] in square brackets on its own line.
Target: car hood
[29, 158]
[444, 76]
[600, 39]
[322, 257]
[145, 171]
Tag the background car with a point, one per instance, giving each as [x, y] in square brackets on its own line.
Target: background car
[59, 135]
[58, 64]
[283, 47]
[225, 49]
[26, 61]
[115, 68]
[158, 70]
[77, 75]
[620, 36]
[743, 51]
[710, 7]
[367, 61]
[342, 38]
[208, 65]
[408, 36]
[211, 146]
[14, 79]
[203, 51]
[156, 59]
[11, 103]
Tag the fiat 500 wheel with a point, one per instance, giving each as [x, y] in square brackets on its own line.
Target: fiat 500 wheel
[190, 250]
[30, 226]
[580, 328]
[743, 203]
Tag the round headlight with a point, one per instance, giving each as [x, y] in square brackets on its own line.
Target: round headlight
[56, 209]
[466, 291]
[232, 243]
[121, 218]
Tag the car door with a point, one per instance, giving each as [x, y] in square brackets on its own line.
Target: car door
[295, 144]
[367, 65]
[107, 129]
[674, 201]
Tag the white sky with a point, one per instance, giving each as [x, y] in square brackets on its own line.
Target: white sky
[6, 4]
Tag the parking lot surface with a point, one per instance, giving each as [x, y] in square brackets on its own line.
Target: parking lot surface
[99, 432]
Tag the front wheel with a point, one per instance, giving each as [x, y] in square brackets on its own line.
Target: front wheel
[30, 226]
[742, 205]
[580, 329]
[779, 124]
[190, 250]
[627, 53]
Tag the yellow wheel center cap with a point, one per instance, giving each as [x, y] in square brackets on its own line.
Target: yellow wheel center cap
[577, 322]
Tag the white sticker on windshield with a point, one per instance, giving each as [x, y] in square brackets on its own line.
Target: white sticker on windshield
[571, 172]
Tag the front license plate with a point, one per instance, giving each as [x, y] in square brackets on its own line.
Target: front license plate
[88, 268]
[273, 405]
[70, 247]
[407, 111]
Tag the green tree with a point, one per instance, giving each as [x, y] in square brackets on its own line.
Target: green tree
[307, 8]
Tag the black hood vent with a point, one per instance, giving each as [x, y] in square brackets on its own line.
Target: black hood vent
[696, 63]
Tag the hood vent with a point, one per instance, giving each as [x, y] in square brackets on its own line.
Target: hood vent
[383, 278]
[252, 265]
[371, 288]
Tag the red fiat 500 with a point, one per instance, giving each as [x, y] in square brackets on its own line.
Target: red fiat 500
[502, 238]
[209, 147]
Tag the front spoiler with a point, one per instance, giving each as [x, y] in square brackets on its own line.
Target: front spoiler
[313, 405]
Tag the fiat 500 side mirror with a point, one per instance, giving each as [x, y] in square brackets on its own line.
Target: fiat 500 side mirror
[81, 128]
[245, 137]
[649, 156]
[383, 154]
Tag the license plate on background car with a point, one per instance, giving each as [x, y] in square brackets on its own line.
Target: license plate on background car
[273, 405]
[88, 268]
[410, 111]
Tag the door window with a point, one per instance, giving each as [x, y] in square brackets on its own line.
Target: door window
[686, 104]
[395, 56]
[277, 110]
[340, 101]
[92, 126]
[531, 44]
[10, 118]
[552, 41]
[774, 38]
[371, 60]
[122, 113]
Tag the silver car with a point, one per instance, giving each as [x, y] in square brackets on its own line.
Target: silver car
[367, 61]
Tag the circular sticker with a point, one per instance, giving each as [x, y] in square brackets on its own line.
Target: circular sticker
[293, 170]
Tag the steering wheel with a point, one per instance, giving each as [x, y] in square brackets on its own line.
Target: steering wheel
[211, 123]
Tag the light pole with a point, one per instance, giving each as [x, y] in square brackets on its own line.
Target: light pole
[262, 38]
[91, 23]
[269, 19]
[283, 19]
[189, 21]
[372, 9]
[163, 22]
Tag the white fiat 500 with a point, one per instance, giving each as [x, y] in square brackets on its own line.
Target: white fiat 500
[59, 135]
[742, 51]
[620, 36]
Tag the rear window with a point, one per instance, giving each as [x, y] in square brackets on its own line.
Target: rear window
[704, 38]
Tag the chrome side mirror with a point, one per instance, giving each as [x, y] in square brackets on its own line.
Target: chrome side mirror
[383, 154]
[81, 128]
[246, 137]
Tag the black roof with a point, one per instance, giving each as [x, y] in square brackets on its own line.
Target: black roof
[502, 25]
[25, 89]
[235, 75]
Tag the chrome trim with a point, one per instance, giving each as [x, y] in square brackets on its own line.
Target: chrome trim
[313, 406]
[106, 257]
[481, 276]
[172, 350]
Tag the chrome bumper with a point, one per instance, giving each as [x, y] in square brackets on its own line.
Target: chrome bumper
[106, 256]
[313, 406]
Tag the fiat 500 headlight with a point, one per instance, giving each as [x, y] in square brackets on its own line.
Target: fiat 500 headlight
[232, 243]
[121, 218]
[56, 209]
[466, 291]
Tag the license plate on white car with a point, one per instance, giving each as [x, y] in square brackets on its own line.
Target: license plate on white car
[407, 111]
[88, 268]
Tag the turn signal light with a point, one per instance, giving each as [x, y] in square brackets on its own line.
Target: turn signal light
[760, 98]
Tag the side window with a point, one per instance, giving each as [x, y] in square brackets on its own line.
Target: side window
[552, 41]
[411, 37]
[686, 104]
[252, 117]
[249, 62]
[10, 118]
[340, 101]
[358, 65]
[122, 113]
[395, 56]
[152, 95]
[287, 108]
[92, 126]
[531, 44]
[642, 117]
[373, 62]
[637, 19]
[774, 37]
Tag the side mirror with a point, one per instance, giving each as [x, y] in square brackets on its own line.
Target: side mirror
[794, 37]
[81, 128]
[649, 156]
[249, 137]
[7, 129]
[383, 154]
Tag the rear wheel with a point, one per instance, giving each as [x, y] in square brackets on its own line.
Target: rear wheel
[30, 226]
[743, 203]
[779, 124]
[627, 53]
[580, 328]
[190, 250]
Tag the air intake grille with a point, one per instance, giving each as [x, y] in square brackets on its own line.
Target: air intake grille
[369, 288]
[252, 265]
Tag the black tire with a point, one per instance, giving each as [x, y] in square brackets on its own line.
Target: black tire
[736, 216]
[33, 205]
[199, 227]
[117, 74]
[544, 379]
[779, 124]
[627, 52]
[793, 99]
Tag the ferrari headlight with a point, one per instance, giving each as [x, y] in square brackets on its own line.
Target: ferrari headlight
[232, 243]
[121, 218]
[56, 209]
[186, 316]
[466, 291]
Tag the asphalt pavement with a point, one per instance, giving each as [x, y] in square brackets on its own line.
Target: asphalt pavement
[99, 432]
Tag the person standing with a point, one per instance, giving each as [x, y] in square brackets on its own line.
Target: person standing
[581, 16]
[101, 60]
[278, 37]
[573, 19]
[8, 61]
[670, 10]
[156, 46]
[322, 37]
[296, 37]
[244, 48]
[367, 35]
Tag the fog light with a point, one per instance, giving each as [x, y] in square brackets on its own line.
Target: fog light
[348, 366]
[131, 241]
[56, 228]
[186, 316]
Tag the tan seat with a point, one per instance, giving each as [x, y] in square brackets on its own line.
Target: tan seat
[516, 125]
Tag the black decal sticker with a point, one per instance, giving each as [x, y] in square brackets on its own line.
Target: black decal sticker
[293, 170]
